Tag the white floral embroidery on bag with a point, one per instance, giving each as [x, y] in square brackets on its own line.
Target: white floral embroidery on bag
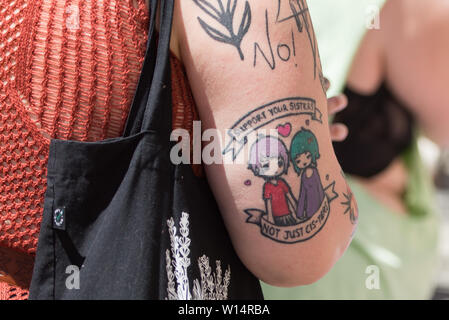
[213, 285]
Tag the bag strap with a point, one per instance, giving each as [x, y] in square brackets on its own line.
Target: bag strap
[151, 108]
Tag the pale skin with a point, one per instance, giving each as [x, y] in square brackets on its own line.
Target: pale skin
[416, 70]
[226, 87]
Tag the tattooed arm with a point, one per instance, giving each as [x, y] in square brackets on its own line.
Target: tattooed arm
[254, 67]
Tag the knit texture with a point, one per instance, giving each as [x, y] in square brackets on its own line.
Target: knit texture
[68, 70]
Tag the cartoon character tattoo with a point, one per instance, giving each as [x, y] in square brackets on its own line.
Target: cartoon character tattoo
[282, 217]
[304, 153]
[269, 160]
[286, 219]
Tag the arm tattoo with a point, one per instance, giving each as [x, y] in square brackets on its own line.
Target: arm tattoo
[271, 52]
[225, 17]
[300, 14]
[285, 215]
[257, 48]
[266, 114]
[350, 206]
[15, 268]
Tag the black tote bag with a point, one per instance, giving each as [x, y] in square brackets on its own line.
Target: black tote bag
[122, 222]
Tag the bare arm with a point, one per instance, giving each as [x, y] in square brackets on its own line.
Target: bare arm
[410, 52]
[254, 65]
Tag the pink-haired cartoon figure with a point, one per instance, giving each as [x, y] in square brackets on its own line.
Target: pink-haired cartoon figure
[269, 160]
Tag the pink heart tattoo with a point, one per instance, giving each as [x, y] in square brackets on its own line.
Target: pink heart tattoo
[284, 130]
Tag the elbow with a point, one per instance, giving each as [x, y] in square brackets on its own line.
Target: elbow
[312, 261]
[296, 279]
[306, 268]
[298, 276]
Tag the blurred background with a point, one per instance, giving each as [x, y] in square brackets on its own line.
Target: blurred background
[438, 161]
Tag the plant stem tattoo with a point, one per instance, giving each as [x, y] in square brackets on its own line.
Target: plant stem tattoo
[285, 215]
[351, 206]
[225, 17]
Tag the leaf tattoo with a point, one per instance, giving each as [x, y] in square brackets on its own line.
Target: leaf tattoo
[350, 207]
[225, 17]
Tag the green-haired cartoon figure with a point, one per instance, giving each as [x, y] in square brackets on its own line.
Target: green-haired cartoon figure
[304, 153]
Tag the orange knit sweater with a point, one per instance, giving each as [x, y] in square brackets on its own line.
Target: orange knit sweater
[68, 70]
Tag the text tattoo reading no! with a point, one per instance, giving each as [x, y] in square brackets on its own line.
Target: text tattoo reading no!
[222, 22]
